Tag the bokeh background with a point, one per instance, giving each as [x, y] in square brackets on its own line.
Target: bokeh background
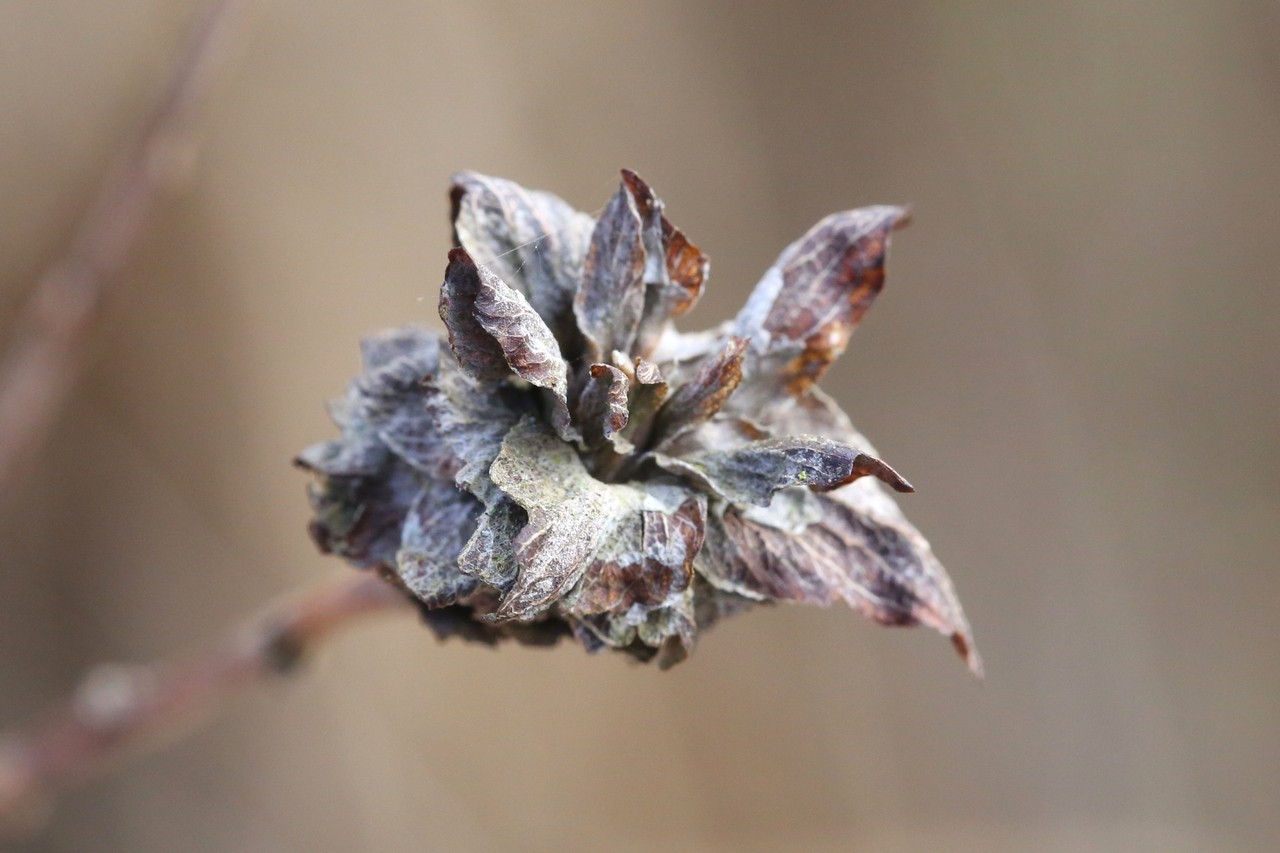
[1075, 360]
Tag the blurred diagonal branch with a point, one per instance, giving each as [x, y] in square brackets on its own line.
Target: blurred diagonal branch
[121, 710]
[42, 362]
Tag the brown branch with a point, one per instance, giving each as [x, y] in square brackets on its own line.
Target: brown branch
[42, 362]
[119, 710]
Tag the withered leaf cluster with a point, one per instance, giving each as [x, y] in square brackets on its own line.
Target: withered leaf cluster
[565, 462]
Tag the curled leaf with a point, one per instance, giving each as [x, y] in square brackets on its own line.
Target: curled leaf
[489, 556]
[392, 399]
[520, 339]
[470, 421]
[475, 349]
[603, 409]
[570, 462]
[675, 269]
[754, 472]
[570, 515]
[438, 524]
[644, 401]
[647, 560]
[532, 240]
[699, 399]
[359, 517]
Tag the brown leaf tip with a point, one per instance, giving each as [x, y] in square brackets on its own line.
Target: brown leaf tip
[964, 647]
[882, 472]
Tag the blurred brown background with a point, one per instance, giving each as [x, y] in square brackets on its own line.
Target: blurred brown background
[1074, 360]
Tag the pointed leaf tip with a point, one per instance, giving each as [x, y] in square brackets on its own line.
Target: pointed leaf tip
[754, 472]
[964, 647]
[806, 306]
[475, 349]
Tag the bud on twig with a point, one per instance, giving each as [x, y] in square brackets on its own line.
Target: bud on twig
[566, 462]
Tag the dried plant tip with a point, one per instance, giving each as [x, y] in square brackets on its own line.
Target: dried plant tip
[567, 463]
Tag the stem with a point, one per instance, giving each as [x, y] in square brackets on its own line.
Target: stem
[42, 362]
[119, 710]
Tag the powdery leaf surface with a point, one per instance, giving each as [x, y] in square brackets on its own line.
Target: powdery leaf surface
[610, 301]
[752, 473]
[571, 514]
[569, 463]
[532, 240]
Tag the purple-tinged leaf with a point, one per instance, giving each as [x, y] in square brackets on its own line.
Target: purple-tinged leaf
[435, 529]
[609, 302]
[881, 567]
[674, 271]
[532, 240]
[648, 391]
[359, 517]
[529, 347]
[393, 401]
[364, 456]
[754, 472]
[647, 560]
[470, 419]
[802, 312]
[602, 409]
[699, 399]
[475, 348]
[381, 348]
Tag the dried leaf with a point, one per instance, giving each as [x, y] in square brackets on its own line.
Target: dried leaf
[359, 517]
[438, 524]
[609, 302]
[672, 630]
[381, 348]
[602, 409]
[532, 240]
[488, 555]
[529, 347]
[754, 472]
[881, 567]
[470, 421]
[363, 457]
[675, 269]
[475, 349]
[699, 399]
[392, 399]
[571, 514]
[647, 560]
[676, 506]
[802, 312]
[644, 401]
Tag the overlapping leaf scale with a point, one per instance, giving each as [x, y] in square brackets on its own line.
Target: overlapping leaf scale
[437, 526]
[532, 240]
[494, 333]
